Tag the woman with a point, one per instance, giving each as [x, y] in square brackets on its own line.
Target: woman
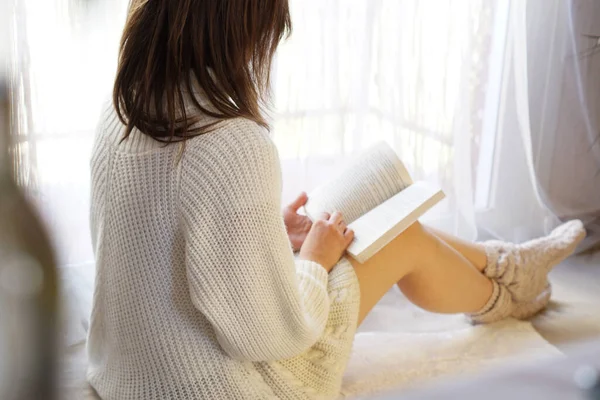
[198, 293]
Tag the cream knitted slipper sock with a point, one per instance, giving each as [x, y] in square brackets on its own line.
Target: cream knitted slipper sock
[498, 307]
[523, 269]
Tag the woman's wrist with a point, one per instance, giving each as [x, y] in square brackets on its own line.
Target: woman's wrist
[309, 256]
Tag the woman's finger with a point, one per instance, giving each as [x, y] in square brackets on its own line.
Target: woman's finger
[325, 216]
[336, 218]
[299, 202]
[349, 236]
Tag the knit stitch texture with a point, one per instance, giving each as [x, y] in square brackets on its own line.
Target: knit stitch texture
[519, 272]
[498, 307]
[198, 294]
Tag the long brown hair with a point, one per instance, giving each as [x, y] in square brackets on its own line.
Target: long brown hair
[226, 45]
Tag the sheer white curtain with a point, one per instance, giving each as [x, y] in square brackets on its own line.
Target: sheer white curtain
[563, 66]
[64, 55]
[66, 60]
[412, 73]
[547, 150]
[445, 82]
[514, 208]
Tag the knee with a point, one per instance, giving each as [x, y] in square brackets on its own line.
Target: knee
[416, 229]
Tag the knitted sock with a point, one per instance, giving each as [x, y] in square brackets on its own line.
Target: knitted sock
[523, 269]
[499, 306]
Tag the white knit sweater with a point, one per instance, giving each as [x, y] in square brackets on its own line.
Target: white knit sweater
[198, 294]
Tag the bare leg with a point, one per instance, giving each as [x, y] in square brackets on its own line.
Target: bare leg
[473, 252]
[429, 272]
[444, 274]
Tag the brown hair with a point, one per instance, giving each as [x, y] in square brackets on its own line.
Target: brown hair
[227, 45]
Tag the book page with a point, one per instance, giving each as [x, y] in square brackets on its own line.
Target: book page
[375, 176]
[381, 225]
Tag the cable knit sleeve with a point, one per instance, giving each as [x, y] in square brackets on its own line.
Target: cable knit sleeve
[262, 304]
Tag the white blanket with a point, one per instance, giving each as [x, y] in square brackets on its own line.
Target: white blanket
[400, 346]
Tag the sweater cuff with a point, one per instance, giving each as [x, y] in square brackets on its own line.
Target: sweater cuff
[313, 279]
[308, 271]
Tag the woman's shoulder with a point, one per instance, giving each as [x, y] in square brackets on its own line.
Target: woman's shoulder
[234, 147]
[236, 138]
[236, 161]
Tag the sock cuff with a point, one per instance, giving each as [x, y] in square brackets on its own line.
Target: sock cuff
[501, 262]
[498, 307]
[492, 252]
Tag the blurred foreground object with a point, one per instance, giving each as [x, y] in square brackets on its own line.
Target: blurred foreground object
[28, 280]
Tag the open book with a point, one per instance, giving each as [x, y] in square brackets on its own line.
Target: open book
[377, 199]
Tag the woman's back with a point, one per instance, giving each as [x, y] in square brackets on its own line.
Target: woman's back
[146, 337]
[194, 272]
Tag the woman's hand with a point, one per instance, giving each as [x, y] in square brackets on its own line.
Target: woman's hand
[327, 241]
[297, 225]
